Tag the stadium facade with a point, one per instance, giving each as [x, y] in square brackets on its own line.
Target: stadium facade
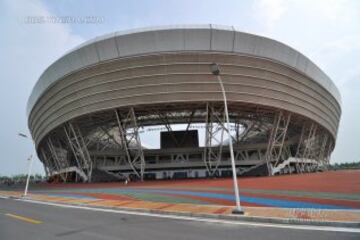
[89, 110]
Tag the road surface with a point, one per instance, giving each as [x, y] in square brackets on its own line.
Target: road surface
[27, 220]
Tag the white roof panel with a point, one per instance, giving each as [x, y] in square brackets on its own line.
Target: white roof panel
[177, 38]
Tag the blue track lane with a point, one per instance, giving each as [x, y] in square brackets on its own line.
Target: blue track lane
[255, 200]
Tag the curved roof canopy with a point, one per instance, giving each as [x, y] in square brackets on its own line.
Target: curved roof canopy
[176, 38]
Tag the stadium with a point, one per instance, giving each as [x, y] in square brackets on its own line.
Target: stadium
[145, 104]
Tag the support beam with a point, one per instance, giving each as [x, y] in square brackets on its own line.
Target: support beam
[59, 163]
[79, 149]
[322, 152]
[131, 142]
[48, 166]
[214, 139]
[276, 140]
[310, 151]
[306, 146]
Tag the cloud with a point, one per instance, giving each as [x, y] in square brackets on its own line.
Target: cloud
[269, 12]
[328, 32]
[329, 12]
[27, 49]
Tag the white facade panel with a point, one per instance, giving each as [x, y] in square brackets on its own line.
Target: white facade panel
[74, 61]
[275, 50]
[60, 68]
[136, 43]
[88, 55]
[107, 49]
[245, 43]
[222, 40]
[301, 62]
[197, 39]
[171, 40]
[49, 79]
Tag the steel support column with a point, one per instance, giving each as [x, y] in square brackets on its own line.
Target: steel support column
[56, 159]
[214, 126]
[322, 152]
[48, 166]
[276, 140]
[79, 149]
[131, 142]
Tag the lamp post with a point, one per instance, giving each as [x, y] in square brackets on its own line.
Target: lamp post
[215, 69]
[31, 159]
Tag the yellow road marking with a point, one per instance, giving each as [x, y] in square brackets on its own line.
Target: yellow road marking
[25, 219]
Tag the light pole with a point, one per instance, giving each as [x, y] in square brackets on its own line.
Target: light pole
[215, 69]
[31, 157]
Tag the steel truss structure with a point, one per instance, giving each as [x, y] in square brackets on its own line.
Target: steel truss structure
[277, 139]
[79, 149]
[214, 138]
[130, 141]
[109, 143]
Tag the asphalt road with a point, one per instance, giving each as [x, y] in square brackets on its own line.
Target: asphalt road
[25, 220]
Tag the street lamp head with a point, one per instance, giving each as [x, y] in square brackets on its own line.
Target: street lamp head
[215, 69]
[23, 135]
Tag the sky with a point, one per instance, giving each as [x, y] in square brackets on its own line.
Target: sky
[326, 31]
